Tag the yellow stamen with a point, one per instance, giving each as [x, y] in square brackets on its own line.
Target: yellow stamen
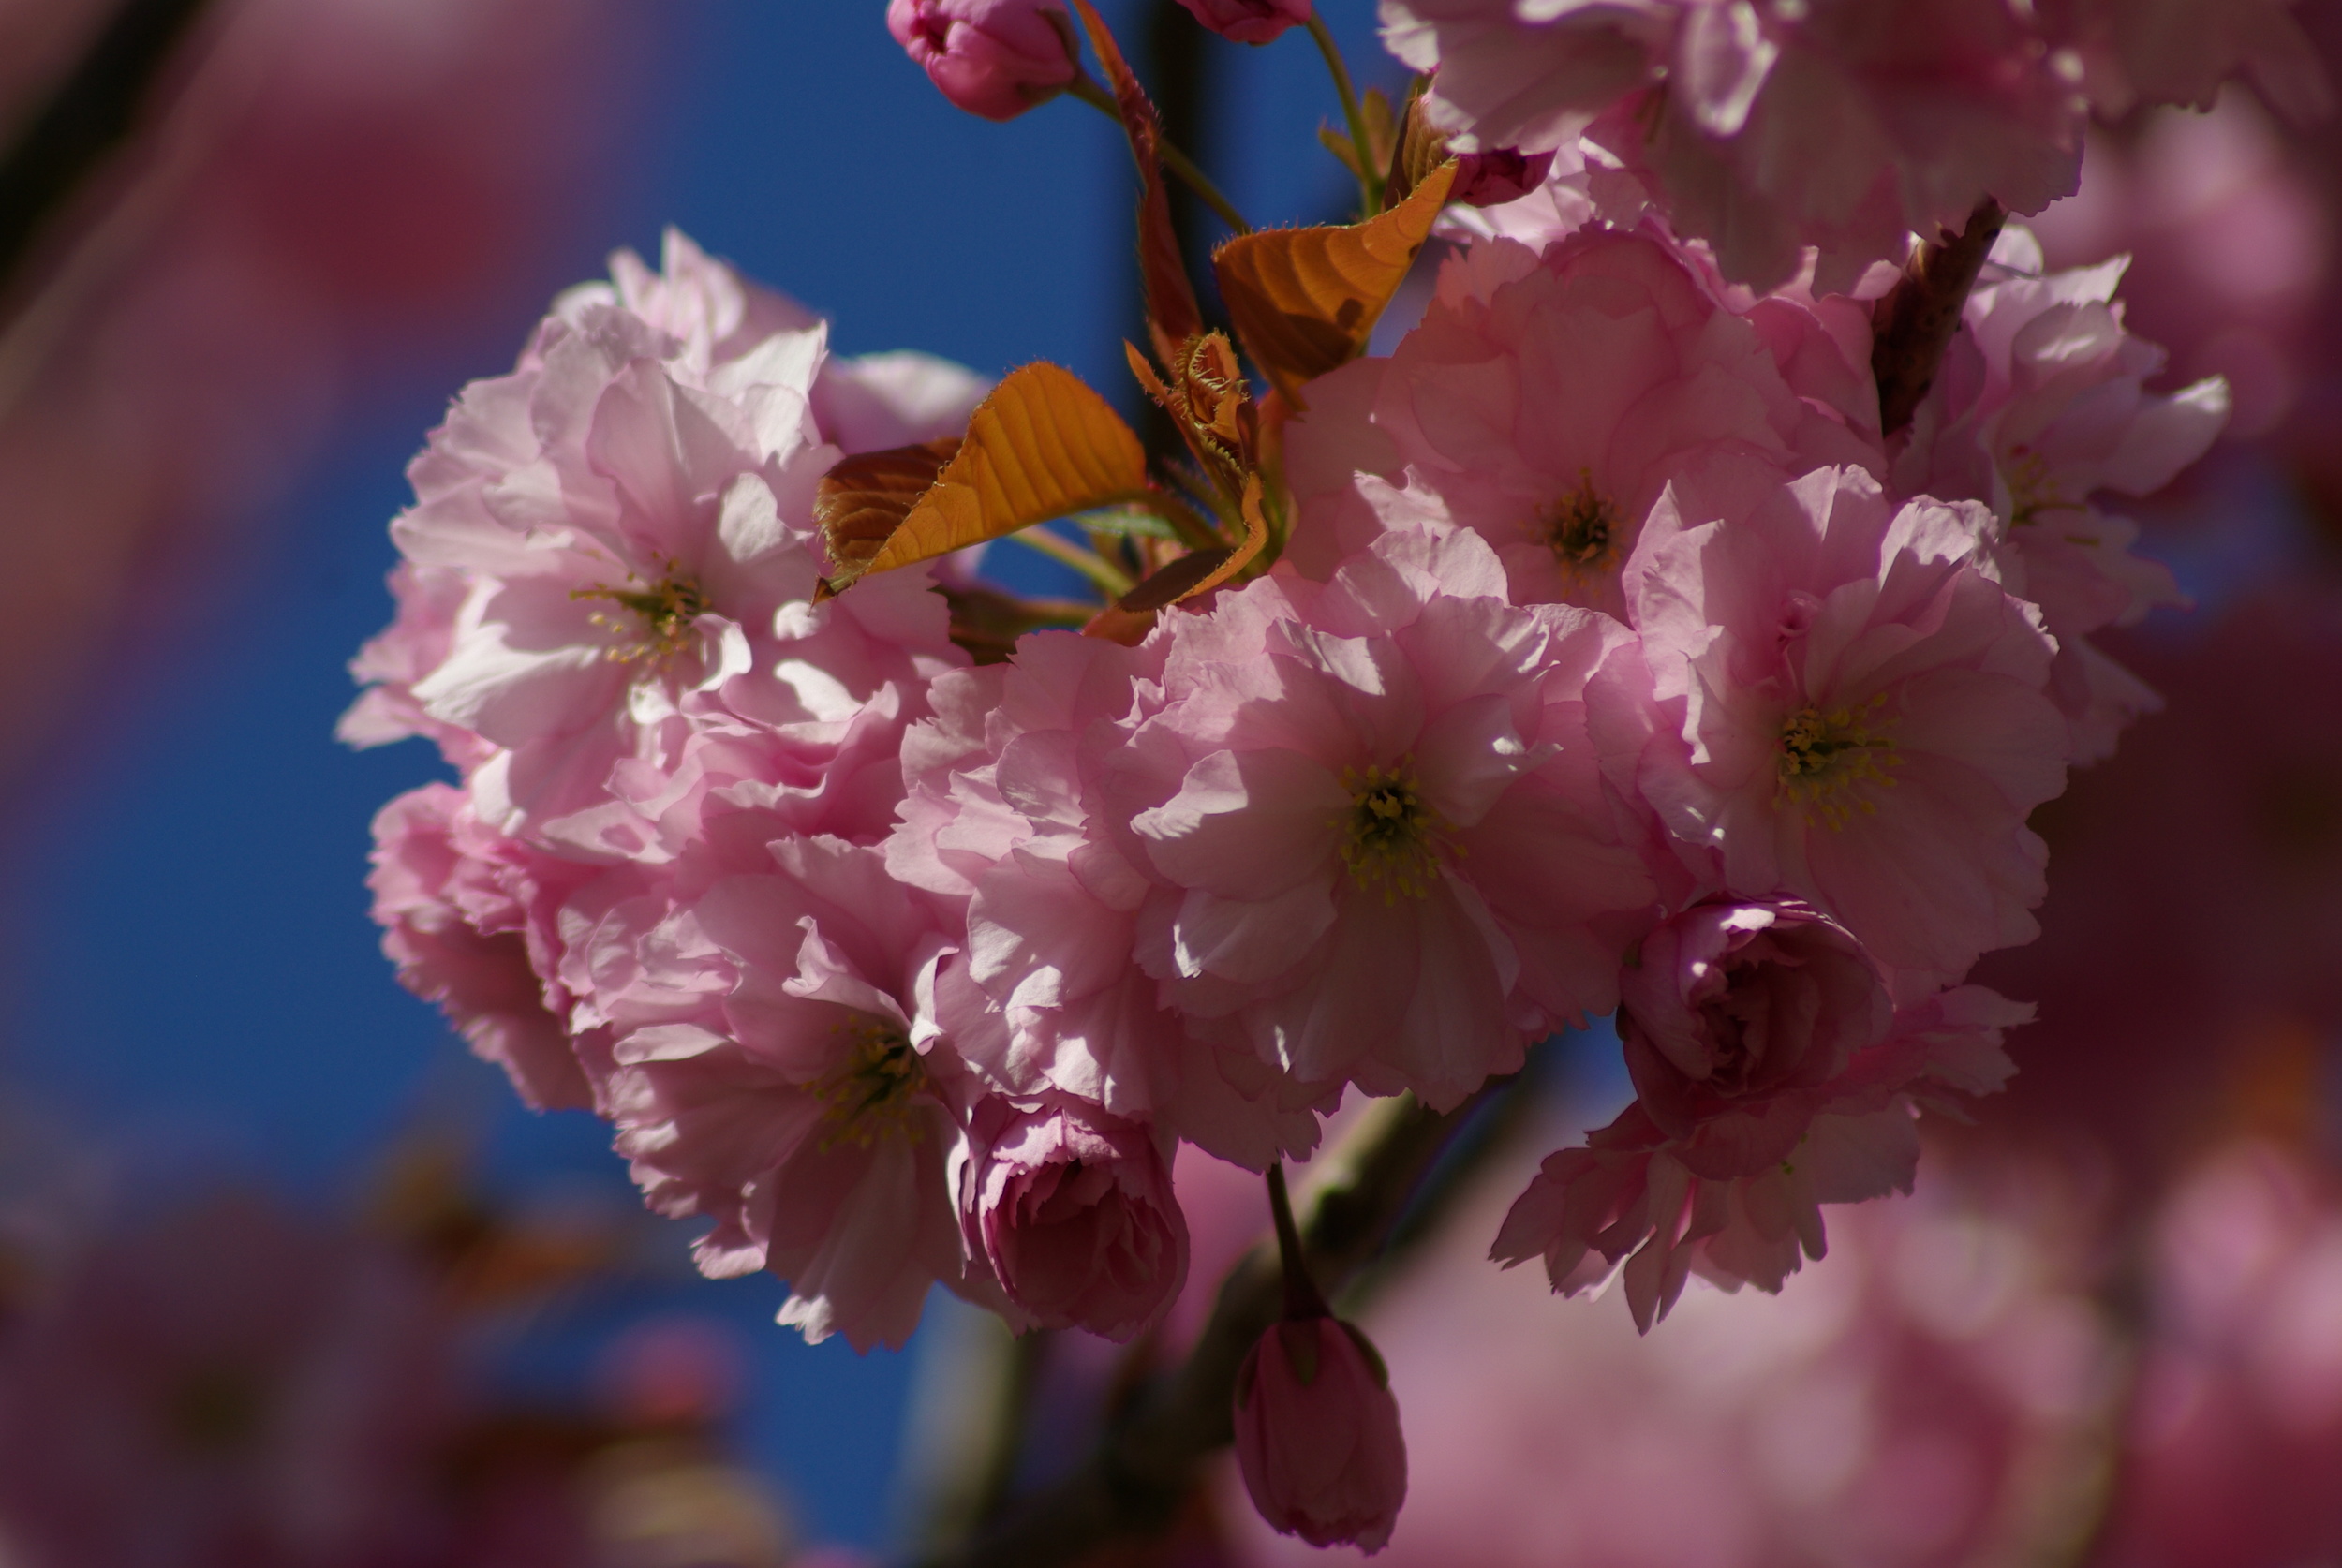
[2032, 491]
[868, 1095]
[663, 613]
[1832, 759]
[1392, 839]
[1582, 529]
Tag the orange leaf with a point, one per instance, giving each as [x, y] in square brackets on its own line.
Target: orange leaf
[1171, 308]
[1255, 536]
[1175, 580]
[862, 500]
[1042, 446]
[1116, 624]
[1421, 151]
[1199, 571]
[1305, 301]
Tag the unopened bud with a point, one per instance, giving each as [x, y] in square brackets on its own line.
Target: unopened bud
[995, 58]
[1317, 1434]
[1251, 21]
[1075, 1211]
[1493, 179]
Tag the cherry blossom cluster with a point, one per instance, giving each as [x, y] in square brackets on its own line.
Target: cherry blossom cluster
[1770, 126]
[1614, 661]
[1617, 670]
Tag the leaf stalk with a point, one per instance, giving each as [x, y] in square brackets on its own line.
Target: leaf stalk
[1178, 163]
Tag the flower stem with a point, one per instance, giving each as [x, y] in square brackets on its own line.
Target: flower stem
[1916, 322]
[1302, 1299]
[1370, 171]
[1177, 162]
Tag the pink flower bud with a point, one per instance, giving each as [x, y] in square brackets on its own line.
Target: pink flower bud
[1317, 1434]
[1075, 1209]
[1251, 21]
[1493, 179]
[995, 58]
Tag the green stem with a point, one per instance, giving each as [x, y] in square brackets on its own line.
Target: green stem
[1370, 172]
[1177, 162]
[1302, 1299]
[1066, 553]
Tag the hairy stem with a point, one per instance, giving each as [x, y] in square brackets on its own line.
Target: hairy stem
[93, 112]
[1178, 163]
[1915, 323]
[1144, 1468]
[1370, 172]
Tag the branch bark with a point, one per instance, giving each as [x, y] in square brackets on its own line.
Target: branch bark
[89, 117]
[1914, 324]
[1145, 1469]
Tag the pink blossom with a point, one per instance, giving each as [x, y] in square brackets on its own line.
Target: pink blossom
[1665, 1204]
[779, 1070]
[1250, 22]
[1006, 816]
[632, 512]
[2042, 406]
[1735, 1016]
[717, 340]
[995, 58]
[1076, 1213]
[1493, 179]
[1504, 80]
[893, 400]
[712, 320]
[2179, 51]
[1548, 402]
[470, 917]
[1551, 207]
[840, 776]
[1838, 126]
[702, 313]
[416, 642]
[1765, 130]
[1317, 1435]
[2231, 239]
[1850, 709]
[1385, 851]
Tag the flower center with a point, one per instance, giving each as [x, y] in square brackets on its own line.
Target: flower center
[663, 613]
[1391, 838]
[2032, 489]
[1832, 759]
[867, 1096]
[1582, 529]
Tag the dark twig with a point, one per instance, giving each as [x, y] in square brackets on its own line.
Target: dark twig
[1914, 324]
[1145, 1469]
[92, 113]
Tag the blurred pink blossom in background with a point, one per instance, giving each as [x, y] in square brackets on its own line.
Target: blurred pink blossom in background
[335, 184]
